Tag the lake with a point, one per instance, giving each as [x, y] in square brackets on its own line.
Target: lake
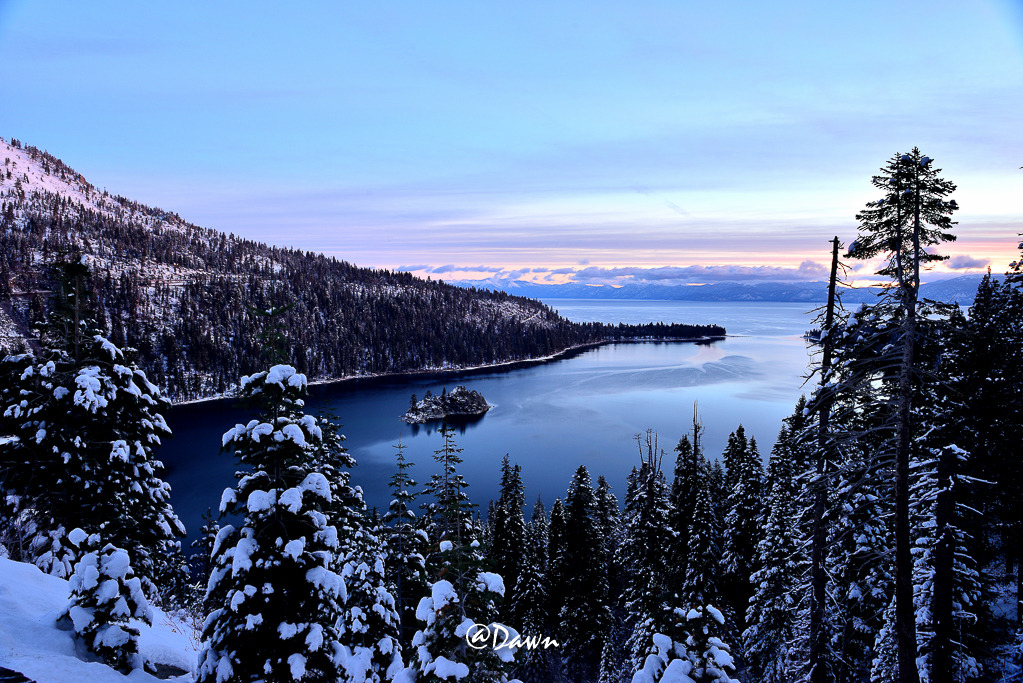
[548, 418]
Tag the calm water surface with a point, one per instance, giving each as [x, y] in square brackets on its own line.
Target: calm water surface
[549, 418]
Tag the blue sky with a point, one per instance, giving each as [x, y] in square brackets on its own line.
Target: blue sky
[476, 140]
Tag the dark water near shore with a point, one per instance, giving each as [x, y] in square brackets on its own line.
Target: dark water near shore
[549, 418]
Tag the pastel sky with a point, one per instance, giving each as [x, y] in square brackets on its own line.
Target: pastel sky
[596, 141]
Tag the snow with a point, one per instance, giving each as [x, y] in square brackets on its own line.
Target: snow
[292, 500]
[77, 537]
[443, 593]
[32, 644]
[445, 668]
[445, 546]
[297, 664]
[489, 581]
[318, 484]
[279, 374]
[261, 501]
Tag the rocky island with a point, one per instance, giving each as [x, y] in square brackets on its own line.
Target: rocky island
[458, 403]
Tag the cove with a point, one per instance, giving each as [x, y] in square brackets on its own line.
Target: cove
[582, 409]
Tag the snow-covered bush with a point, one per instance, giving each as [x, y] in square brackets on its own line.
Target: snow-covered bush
[105, 596]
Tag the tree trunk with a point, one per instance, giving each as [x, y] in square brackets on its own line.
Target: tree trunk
[818, 576]
[905, 617]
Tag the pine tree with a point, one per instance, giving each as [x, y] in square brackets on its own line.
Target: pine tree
[87, 422]
[644, 552]
[449, 517]
[276, 595]
[742, 523]
[682, 499]
[911, 217]
[557, 567]
[537, 664]
[585, 615]
[770, 618]
[461, 594]
[369, 624]
[509, 531]
[405, 547]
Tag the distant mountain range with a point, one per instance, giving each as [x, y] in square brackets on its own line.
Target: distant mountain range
[960, 289]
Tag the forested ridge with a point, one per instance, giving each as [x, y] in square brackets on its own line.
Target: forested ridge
[193, 301]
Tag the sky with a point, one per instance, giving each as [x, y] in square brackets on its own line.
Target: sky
[677, 142]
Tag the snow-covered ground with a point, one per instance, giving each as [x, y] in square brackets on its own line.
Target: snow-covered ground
[32, 644]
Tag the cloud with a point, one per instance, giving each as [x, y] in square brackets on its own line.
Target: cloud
[451, 268]
[807, 270]
[965, 261]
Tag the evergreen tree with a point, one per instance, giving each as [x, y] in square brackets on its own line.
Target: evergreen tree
[275, 592]
[86, 422]
[369, 624]
[742, 523]
[770, 617]
[537, 664]
[644, 552]
[682, 498]
[405, 546]
[509, 535]
[585, 615]
[557, 567]
[461, 594]
[449, 517]
[912, 216]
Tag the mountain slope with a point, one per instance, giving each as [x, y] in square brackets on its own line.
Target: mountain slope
[184, 296]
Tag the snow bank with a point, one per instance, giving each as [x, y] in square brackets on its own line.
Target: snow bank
[31, 643]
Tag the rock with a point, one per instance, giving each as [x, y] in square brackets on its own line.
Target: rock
[458, 403]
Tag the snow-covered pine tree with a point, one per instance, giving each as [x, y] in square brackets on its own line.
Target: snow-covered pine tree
[742, 524]
[106, 597]
[610, 524]
[201, 560]
[460, 594]
[369, 624]
[681, 499]
[537, 664]
[646, 542]
[449, 516]
[557, 569]
[405, 547]
[276, 594]
[86, 422]
[912, 216]
[771, 615]
[509, 535]
[585, 615]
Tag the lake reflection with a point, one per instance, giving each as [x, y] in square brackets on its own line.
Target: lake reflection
[549, 418]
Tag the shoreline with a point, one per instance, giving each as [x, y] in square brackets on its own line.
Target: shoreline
[469, 371]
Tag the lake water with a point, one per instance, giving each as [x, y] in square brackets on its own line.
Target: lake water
[549, 418]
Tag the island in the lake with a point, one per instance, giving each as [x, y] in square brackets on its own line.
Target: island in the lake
[458, 403]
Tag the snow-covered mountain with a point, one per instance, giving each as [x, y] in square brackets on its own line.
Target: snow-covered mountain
[193, 300]
[960, 289]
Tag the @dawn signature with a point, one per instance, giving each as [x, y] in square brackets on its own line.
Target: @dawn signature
[497, 636]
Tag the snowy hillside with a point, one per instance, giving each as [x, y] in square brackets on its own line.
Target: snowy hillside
[192, 301]
[32, 643]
